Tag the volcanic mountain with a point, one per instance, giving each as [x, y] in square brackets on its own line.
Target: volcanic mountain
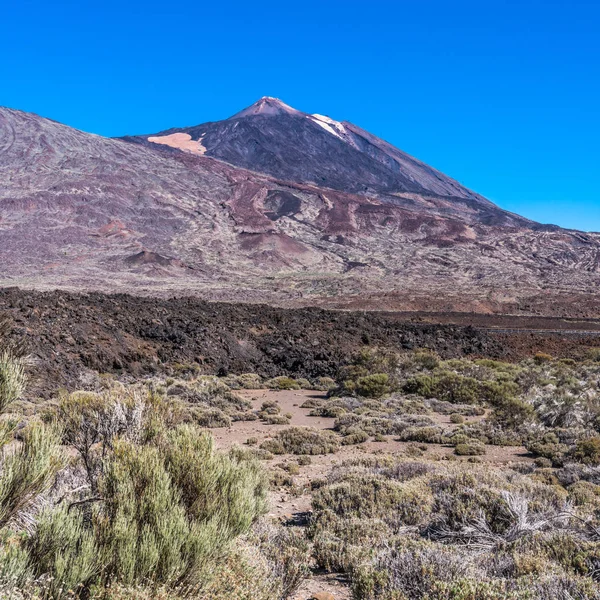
[272, 205]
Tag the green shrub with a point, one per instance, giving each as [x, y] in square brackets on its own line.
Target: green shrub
[469, 449]
[426, 435]
[373, 386]
[588, 450]
[368, 496]
[12, 379]
[166, 513]
[304, 384]
[325, 384]
[29, 470]
[210, 417]
[541, 358]
[249, 381]
[282, 383]
[302, 440]
[276, 419]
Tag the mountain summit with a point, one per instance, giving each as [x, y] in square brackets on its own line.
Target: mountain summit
[267, 106]
[273, 138]
[272, 205]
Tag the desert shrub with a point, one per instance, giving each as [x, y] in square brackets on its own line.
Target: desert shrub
[354, 436]
[469, 449]
[282, 383]
[447, 386]
[588, 450]
[90, 423]
[331, 410]
[584, 493]
[12, 379]
[249, 381]
[276, 419]
[548, 446]
[273, 446]
[292, 468]
[164, 513]
[287, 553]
[269, 407]
[304, 384]
[456, 418]
[459, 389]
[270, 413]
[29, 470]
[367, 496]
[512, 413]
[409, 571]
[406, 470]
[210, 417]
[541, 358]
[447, 408]
[373, 386]
[324, 384]
[426, 435]
[277, 480]
[302, 440]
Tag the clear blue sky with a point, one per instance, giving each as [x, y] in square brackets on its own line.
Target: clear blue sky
[503, 96]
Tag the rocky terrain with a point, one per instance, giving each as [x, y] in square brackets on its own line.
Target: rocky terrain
[272, 205]
[69, 335]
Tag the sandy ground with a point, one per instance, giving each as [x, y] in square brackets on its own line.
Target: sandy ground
[183, 141]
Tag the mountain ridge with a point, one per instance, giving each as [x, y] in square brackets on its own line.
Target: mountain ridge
[82, 212]
[376, 165]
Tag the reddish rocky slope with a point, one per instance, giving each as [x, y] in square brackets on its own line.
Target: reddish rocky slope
[344, 220]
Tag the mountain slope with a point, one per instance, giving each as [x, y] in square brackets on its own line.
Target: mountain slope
[273, 138]
[82, 212]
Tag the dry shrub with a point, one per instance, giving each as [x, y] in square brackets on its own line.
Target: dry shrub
[302, 440]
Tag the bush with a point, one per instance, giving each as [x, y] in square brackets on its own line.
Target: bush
[12, 379]
[456, 418]
[470, 449]
[325, 384]
[210, 417]
[29, 470]
[373, 386]
[164, 514]
[425, 435]
[249, 381]
[588, 451]
[541, 358]
[282, 383]
[302, 440]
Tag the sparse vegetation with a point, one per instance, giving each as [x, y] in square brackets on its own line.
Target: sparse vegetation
[146, 507]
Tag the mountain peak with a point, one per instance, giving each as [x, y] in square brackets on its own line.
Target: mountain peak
[267, 106]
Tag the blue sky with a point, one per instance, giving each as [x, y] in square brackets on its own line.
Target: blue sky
[503, 96]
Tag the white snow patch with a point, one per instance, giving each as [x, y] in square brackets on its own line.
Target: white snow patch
[328, 128]
[326, 119]
[333, 127]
